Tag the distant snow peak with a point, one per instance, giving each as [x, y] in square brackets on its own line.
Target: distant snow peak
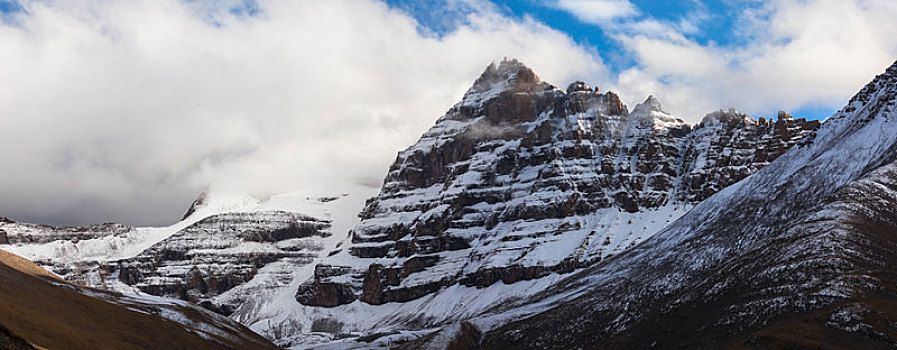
[509, 74]
[729, 117]
[784, 116]
[651, 104]
[579, 86]
[651, 112]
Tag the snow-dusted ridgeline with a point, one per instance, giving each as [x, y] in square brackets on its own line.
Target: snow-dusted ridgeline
[800, 254]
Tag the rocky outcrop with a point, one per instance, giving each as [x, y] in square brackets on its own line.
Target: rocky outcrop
[326, 293]
[198, 203]
[520, 180]
[221, 252]
[727, 146]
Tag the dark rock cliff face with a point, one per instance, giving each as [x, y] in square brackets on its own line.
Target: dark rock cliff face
[521, 179]
[732, 146]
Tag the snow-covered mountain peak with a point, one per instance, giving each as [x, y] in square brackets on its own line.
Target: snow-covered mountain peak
[651, 104]
[579, 86]
[507, 70]
[520, 187]
[730, 117]
[651, 112]
[510, 75]
[782, 116]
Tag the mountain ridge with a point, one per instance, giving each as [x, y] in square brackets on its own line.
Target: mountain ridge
[758, 261]
[517, 187]
[545, 143]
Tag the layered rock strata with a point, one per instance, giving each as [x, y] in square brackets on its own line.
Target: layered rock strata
[521, 179]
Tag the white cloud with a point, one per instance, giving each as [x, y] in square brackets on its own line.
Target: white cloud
[598, 11]
[790, 54]
[124, 110]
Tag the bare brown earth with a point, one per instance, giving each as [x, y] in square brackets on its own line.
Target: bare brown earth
[25, 265]
[35, 306]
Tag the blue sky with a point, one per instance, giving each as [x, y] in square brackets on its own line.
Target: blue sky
[716, 28]
[8, 6]
[432, 15]
[716, 24]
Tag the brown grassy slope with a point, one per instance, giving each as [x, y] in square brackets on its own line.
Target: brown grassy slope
[53, 315]
[25, 265]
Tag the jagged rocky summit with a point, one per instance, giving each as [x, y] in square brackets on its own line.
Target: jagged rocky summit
[521, 179]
